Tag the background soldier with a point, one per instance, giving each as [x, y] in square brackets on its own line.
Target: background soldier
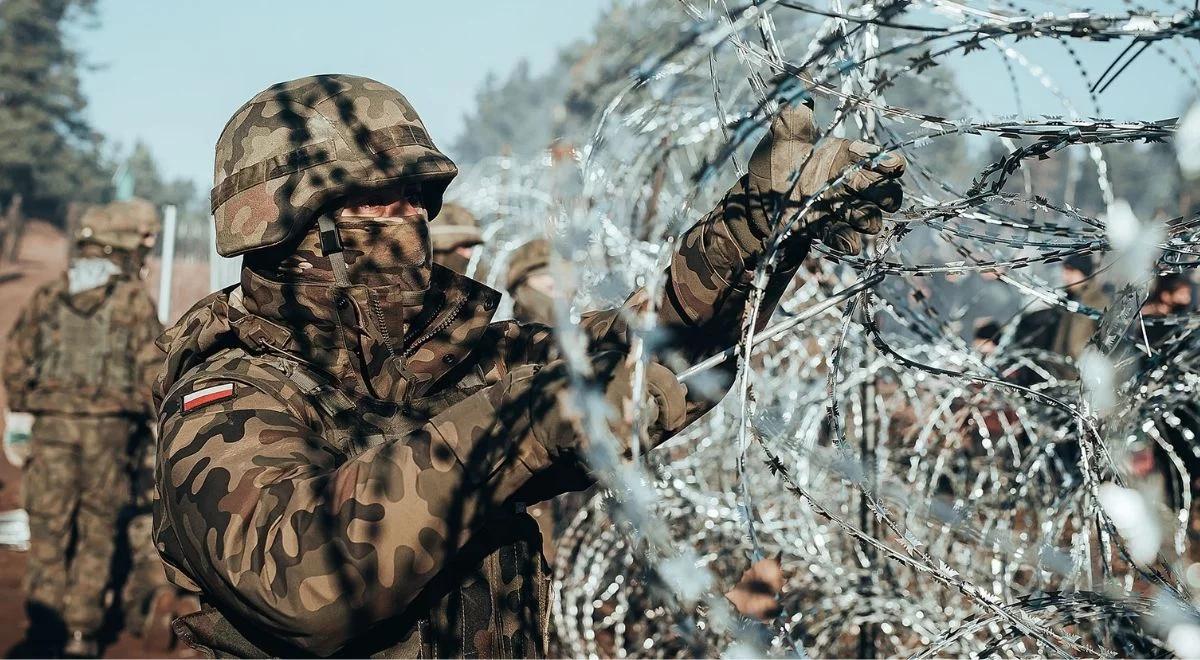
[531, 284]
[73, 361]
[455, 235]
[1057, 329]
[347, 440]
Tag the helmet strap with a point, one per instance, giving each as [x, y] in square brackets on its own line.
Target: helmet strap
[331, 247]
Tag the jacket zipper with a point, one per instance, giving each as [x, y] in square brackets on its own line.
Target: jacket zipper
[441, 325]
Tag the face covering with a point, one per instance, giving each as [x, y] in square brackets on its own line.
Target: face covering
[378, 252]
[388, 267]
[89, 273]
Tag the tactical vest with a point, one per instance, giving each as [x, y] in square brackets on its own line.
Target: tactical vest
[492, 601]
[88, 352]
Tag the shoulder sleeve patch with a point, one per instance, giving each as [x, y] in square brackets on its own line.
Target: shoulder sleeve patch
[211, 394]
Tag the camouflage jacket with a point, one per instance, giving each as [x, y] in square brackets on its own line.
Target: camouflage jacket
[90, 353]
[315, 519]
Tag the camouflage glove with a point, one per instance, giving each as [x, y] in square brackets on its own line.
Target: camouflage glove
[843, 213]
[557, 424]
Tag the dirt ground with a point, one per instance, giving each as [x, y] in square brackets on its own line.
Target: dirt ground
[43, 257]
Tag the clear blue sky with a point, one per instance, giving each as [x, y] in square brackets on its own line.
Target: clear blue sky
[171, 73]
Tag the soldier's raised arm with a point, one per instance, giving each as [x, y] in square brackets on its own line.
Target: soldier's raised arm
[709, 279]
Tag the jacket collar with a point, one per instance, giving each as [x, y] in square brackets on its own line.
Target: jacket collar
[305, 320]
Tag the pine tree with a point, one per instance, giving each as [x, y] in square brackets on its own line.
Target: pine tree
[149, 183]
[50, 154]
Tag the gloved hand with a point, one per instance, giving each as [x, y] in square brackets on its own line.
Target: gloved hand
[18, 429]
[557, 422]
[843, 213]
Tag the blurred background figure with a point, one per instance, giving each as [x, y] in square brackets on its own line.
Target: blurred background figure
[531, 284]
[1178, 428]
[1171, 294]
[455, 236]
[76, 360]
[1060, 330]
[987, 336]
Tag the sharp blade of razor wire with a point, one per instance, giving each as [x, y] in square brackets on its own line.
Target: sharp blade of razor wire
[785, 324]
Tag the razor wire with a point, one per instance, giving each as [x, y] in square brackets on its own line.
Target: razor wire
[921, 495]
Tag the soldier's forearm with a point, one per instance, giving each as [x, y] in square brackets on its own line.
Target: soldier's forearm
[710, 276]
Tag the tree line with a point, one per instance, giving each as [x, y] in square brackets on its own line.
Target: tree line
[53, 161]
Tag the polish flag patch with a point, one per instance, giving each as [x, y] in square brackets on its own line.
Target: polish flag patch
[201, 398]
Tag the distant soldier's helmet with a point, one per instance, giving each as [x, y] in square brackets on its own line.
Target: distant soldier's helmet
[299, 147]
[456, 227]
[125, 225]
[527, 260]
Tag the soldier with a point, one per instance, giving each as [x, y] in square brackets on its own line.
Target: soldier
[455, 236]
[531, 284]
[1059, 330]
[348, 443]
[74, 360]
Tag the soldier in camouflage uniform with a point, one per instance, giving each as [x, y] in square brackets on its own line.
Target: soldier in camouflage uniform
[347, 440]
[75, 360]
[148, 599]
[455, 237]
[531, 284]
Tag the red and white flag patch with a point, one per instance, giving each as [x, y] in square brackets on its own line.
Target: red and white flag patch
[208, 395]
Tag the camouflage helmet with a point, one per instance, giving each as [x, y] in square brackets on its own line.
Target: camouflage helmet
[300, 146]
[124, 225]
[526, 260]
[455, 227]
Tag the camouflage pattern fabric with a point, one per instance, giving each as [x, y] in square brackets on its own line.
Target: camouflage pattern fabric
[75, 483]
[533, 306]
[530, 304]
[87, 353]
[147, 576]
[532, 257]
[289, 152]
[454, 234]
[125, 225]
[81, 364]
[454, 226]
